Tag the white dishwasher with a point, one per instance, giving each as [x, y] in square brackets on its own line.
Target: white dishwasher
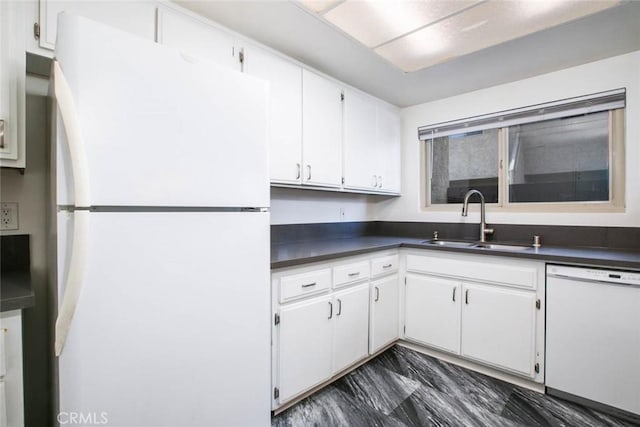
[593, 335]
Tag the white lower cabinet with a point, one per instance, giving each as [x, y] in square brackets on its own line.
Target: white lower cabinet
[305, 346]
[482, 308]
[384, 312]
[432, 311]
[324, 316]
[498, 327]
[351, 326]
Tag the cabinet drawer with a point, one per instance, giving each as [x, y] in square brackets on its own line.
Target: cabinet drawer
[309, 283]
[350, 273]
[383, 265]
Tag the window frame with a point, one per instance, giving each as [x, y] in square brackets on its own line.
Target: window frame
[616, 202]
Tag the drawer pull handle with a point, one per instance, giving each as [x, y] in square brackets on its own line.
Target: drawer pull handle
[330, 310]
[454, 293]
[339, 307]
[466, 296]
[357, 273]
[387, 266]
[377, 294]
[308, 285]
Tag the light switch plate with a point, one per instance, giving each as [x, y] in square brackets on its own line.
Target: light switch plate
[9, 216]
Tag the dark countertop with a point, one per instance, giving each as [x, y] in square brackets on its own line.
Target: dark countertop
[15, 291]
[292, 254]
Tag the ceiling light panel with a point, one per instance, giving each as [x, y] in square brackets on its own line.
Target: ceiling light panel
[485, 25]
[319, 6]
[373, 23]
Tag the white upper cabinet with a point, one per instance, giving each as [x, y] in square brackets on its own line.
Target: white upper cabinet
[137, 17]
[360, 172]
[321, 131]
[285, 112]
[371, 144]
[197, 38]
[387, 147]
[12, 85]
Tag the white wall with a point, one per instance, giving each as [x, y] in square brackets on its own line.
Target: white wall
[612, 73]
[292, 206]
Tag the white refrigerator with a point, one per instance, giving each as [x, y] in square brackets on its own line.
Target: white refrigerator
[162, 195]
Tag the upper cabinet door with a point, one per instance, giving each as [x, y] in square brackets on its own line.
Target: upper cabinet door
[388, 143]
[321, 131]
[12, 85]
[285, 112]
[196, 38]
[359, 142]
[137, 17]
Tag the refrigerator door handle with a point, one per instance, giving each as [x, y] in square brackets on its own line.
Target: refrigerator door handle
[75, 275]
[68, 112]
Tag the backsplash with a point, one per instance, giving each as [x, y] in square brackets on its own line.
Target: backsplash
[627, 238]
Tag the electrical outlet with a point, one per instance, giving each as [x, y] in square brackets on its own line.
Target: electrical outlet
[9, 216]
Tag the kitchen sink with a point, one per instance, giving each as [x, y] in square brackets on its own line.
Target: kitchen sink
[449, 243]
[502, 247]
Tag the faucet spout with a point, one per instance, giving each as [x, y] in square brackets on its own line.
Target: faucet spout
[465, 209]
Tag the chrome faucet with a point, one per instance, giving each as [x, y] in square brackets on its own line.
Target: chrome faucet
[465, 208]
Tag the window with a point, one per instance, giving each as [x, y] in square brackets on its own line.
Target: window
[551, 156]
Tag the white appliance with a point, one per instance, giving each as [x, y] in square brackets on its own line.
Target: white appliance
[162, 235]
[593, 335]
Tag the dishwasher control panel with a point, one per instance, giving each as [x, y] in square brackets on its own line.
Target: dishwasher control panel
[595, 274]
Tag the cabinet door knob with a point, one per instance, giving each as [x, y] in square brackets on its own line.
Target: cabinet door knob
[466, 296]
[299, 170]
[454, 293]
[380, 181]
[377, 294]
[375, 181]
[308, 172]
[330, 310]
[339, 307]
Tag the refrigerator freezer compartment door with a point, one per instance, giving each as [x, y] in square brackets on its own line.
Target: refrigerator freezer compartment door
[160, 130]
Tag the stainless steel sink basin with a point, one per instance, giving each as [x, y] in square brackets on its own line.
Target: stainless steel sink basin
[449, 243]
[501, 247]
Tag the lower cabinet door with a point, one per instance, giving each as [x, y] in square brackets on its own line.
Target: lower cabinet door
[498, 327]
[384, 312]
[351, 314]
[432, 311]
[305, 344]
[3, 405]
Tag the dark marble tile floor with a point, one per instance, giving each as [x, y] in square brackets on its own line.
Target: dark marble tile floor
[402, 387]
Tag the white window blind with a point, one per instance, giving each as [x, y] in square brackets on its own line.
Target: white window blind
[602, 101]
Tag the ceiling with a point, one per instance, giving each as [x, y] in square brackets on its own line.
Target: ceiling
[289, 27]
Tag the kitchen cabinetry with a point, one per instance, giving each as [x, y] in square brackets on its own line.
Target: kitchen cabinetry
[371, 132]
[305, 346]
[12, 84]
[485, 310]
[324, 316]
[351, 339]
[11, 389]
[384, 314]
[136, 17]
[321, 131]
[432, 311]
[498, 327]
[197, 38]
[285, 112]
